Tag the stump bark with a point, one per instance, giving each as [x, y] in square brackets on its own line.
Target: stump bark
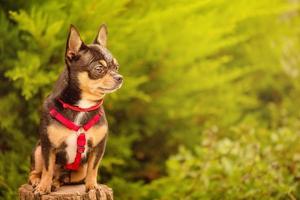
[69, 192]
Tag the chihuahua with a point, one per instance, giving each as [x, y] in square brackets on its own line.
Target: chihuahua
[73, 128]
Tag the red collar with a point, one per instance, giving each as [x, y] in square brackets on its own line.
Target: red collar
[79, 109]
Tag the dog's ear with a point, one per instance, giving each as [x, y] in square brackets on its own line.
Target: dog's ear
[74, 43]
[101, 36]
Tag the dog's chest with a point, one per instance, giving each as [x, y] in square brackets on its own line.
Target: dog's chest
[58, 135]
[71, 141]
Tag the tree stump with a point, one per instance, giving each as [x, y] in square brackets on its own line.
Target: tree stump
[68, 192]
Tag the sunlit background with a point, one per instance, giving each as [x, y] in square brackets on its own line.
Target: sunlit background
[210, 104]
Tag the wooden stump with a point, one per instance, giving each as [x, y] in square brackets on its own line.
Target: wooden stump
[70, 192]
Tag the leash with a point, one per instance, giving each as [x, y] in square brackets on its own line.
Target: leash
[81, 139]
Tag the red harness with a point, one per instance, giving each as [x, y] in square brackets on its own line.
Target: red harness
[81, 140]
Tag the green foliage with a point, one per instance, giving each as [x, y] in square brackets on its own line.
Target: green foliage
[255, 164]
[209, 106]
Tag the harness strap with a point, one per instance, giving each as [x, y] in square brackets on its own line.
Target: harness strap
[81, 139]
[70, 125]
[66, 122]
[92, 121]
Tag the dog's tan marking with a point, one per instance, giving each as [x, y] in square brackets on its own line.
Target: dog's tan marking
[79, 175]
[92, 172]
[115, 62]
[84, 103]
[91, 89]
[34, 178]
[56, 178]
[35, 174]
[58, 134]
[91, 97]
[103, 62]
[38, 159]
[97, 133]
[45, 185]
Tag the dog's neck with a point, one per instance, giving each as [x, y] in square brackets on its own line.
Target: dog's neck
[73, 95]
[70, 94]
[85, 103]
[67, 89]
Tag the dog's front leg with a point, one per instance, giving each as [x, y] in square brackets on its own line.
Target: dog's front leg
[93, 165]
[44, 186]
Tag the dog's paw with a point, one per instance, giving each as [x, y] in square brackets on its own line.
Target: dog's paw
[92, 186]
[41, 189]
[96, 191]
[55, 185]
[34, 182]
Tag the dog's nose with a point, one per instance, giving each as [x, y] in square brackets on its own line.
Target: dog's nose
[118, 78]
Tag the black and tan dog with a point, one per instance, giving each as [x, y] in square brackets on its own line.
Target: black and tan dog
[73, 128]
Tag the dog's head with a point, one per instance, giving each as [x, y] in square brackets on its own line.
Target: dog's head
[92, 66]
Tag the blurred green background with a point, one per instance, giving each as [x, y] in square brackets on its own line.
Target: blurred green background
[210, 104]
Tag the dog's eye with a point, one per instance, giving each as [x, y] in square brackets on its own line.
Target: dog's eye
[116, 67]
[99, 68]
